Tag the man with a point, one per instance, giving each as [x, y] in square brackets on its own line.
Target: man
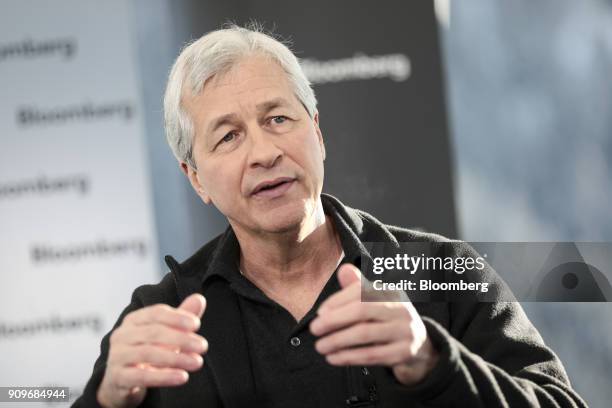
[278, 294]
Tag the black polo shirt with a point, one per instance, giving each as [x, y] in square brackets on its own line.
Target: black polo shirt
[286, 368]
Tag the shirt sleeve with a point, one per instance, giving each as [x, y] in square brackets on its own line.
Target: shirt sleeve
[491, 356]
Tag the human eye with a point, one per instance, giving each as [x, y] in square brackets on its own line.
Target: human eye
[229, 137]
[278, 119]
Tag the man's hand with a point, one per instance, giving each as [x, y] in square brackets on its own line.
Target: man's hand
[373, 333]
[153, 347]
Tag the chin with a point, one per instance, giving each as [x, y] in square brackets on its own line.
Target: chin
[283, 218]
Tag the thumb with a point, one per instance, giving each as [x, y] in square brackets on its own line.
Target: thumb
[348, 274]
[194, 303]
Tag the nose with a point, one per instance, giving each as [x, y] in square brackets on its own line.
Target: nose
[263, 150]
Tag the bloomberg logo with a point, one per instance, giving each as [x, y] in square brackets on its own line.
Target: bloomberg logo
[396, 67]
[29, 48]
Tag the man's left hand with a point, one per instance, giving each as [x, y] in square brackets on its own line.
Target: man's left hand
[389, 333]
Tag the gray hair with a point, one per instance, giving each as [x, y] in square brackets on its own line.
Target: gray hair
[214, 54]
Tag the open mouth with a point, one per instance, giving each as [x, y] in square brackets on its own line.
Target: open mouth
[274, 188]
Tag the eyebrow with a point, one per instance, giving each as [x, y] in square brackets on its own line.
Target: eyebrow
[228, 118]
[221, 120]
[271, 104]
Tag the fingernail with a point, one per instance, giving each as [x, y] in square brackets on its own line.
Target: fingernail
[181, 377]
[191, 322]
[199, 346]
[197, 361]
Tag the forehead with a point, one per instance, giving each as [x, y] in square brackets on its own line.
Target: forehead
[252, 68]
[250, 82]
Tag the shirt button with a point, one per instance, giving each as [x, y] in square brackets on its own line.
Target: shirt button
[295, 341]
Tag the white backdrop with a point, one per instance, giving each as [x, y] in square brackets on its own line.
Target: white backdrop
[76, 223]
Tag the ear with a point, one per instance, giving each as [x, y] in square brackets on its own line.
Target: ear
[194, 180]
[319, 134]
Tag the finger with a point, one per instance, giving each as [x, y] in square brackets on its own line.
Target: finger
[146, 376]
[370, 294]
[349, 314]
[157, 356]
[361, 334]
[348, 274]
[160, 334]
[164, 314]
[386, 354]
[343, 296]
[194, 303]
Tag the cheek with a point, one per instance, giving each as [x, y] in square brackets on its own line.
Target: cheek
[315, 151]
[309, 156]
[221, 181]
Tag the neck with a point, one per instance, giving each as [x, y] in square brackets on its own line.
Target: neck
[293, 257]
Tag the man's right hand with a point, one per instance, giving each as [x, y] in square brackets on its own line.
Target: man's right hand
[153, 347]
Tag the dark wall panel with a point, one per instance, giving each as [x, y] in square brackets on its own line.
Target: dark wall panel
[386, 136]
